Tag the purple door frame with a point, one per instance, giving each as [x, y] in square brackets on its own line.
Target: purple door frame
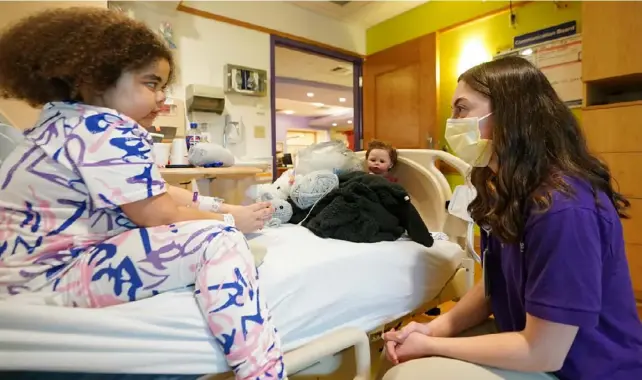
[357, 68]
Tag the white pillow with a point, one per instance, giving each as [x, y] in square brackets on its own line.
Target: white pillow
[10, 137]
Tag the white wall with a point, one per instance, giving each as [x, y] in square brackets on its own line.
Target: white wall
[203, 48]
[289, 18]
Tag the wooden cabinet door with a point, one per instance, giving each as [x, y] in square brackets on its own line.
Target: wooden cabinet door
[400, 95]
[611, 39]
[614, 133]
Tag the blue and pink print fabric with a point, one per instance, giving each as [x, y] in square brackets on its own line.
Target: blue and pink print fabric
[65, 241]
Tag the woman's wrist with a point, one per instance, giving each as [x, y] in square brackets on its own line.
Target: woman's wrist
[443, 326]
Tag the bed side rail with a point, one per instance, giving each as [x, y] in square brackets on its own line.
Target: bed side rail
[331, 344]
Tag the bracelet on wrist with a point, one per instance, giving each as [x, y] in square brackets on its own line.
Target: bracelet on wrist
[229, 219]
[205, 203]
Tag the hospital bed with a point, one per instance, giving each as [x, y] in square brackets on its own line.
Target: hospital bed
[329, 300]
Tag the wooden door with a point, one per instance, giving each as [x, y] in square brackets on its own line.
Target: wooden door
[611, 44]
[400, 95]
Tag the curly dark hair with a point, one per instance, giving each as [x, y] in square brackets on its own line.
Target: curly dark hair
[538, 143]
[54, 54]
[376, 144]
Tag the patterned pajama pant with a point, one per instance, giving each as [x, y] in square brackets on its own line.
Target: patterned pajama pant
[215, 258]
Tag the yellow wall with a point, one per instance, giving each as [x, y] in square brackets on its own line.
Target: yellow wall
[424, 19]
[479, 41]
[465, 46]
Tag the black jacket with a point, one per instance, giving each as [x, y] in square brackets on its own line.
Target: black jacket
[365, 208]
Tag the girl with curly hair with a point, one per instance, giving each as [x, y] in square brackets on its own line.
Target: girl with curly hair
[556, 277]
[86, 220]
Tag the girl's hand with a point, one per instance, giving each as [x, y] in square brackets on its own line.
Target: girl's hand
[253, 217]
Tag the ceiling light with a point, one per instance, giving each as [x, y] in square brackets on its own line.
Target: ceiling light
[288, 112]
[342, 100]
[528, 51]
[334, 124]
[349, 121]
[318, 104]
[310, 94]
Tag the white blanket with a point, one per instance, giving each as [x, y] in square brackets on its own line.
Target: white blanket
[312, 285]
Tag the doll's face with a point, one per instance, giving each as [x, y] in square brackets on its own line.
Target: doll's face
[379, 161]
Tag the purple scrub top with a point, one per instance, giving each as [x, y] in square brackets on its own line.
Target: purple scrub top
[571, 268]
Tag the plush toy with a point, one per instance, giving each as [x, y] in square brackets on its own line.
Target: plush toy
[309, 188]
[279, 189]
[283, 184]
[282, 212]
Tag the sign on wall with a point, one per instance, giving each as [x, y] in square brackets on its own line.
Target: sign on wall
[561, 61]
[544, 35]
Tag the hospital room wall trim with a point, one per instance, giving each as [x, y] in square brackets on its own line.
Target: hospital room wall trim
[243, 24]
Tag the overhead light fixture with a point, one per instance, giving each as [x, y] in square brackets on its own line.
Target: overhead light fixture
[528, 51]
[334, 124]
[342, 100]
[318, 104]
[288, 112]
[310, 94]
[349, 121]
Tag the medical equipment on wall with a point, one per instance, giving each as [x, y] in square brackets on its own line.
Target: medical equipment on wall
[232, 131]
[245, 80]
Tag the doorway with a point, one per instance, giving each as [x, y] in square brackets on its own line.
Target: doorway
[315, 96]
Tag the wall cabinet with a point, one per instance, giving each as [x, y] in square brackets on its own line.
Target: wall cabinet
[611, 39]
[612, 117]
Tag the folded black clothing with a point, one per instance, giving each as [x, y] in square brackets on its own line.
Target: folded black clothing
[365, 208]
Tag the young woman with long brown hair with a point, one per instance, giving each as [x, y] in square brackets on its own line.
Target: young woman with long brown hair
[556, 275]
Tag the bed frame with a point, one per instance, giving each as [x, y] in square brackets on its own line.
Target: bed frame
[351, 353]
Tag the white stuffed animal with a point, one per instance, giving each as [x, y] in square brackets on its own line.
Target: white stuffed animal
[279, 189]
[284, 183]
[282, 212]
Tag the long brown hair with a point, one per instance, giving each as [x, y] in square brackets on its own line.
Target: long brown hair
[537, 141]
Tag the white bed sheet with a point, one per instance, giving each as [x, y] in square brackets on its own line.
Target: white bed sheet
[312, 285]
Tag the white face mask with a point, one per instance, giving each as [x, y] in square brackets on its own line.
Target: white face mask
[465, 140]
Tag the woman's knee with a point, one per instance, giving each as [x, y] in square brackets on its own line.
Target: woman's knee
[451, 369]
[438, 368]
